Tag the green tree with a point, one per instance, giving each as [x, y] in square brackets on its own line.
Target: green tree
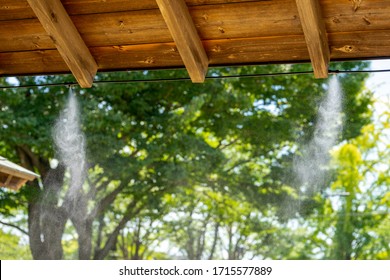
[363, 176]
[352, 217]
[152, 139]
[12, 247]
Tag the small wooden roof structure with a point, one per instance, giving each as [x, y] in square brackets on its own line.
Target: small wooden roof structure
[84, 36]
[13, 176]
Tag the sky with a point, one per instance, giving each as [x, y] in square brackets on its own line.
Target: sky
[379, 83]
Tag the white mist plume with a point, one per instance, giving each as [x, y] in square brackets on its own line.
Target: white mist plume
[70, 142]
[311, 167]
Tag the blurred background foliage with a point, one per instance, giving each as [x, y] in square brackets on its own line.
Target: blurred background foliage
[198, 171]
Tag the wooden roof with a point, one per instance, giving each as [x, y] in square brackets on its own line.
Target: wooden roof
[85, 36]
[14, 176]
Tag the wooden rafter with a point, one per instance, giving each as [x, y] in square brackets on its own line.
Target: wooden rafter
[14, 176]
[19, 184]
[184, 33]
[315, 35]
[132, 35]
[59, 26]
[9, 178]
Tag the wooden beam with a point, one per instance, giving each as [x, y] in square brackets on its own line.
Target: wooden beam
[17, 173]
[19, 184]
[59, 26]
[9, 178]
[315, 35]
[184, 33]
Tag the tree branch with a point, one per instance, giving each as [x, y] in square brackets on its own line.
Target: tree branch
[103, 184]
[40, 163]
[202, 237]
[15, 226]
[131, 212]
[222, 147]
[215, 240]
[237, 165]
[99, 234]
[107, 200]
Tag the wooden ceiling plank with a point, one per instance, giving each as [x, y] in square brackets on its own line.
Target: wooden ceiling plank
[148, 26]
[184, 33]
[345, 46]
[59, 26]
[19, 9]
[315, 35]
[212, 22]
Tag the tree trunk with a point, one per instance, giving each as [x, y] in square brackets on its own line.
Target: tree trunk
[84, 231]
[46, 224]
[46, 220]
[137, 241]
[215, 240]
[37, 246]
[78, 211]
[112, 239]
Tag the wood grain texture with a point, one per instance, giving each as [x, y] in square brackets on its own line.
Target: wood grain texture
[66, 38]
[185, 35]
[19, 9]
[14, 183]
[339, 10]
[14, 173]
[315, 34]
[212, 22]
[340, 16]
[20, 184]
[361, 45]
[145, 27]
[123, 34]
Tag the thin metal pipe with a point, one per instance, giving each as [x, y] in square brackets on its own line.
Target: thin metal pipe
[162, 80]
[357, 71]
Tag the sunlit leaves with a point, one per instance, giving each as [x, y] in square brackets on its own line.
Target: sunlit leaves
[12, 247]
[205, 164]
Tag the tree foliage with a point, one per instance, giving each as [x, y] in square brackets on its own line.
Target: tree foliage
[203, 168]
